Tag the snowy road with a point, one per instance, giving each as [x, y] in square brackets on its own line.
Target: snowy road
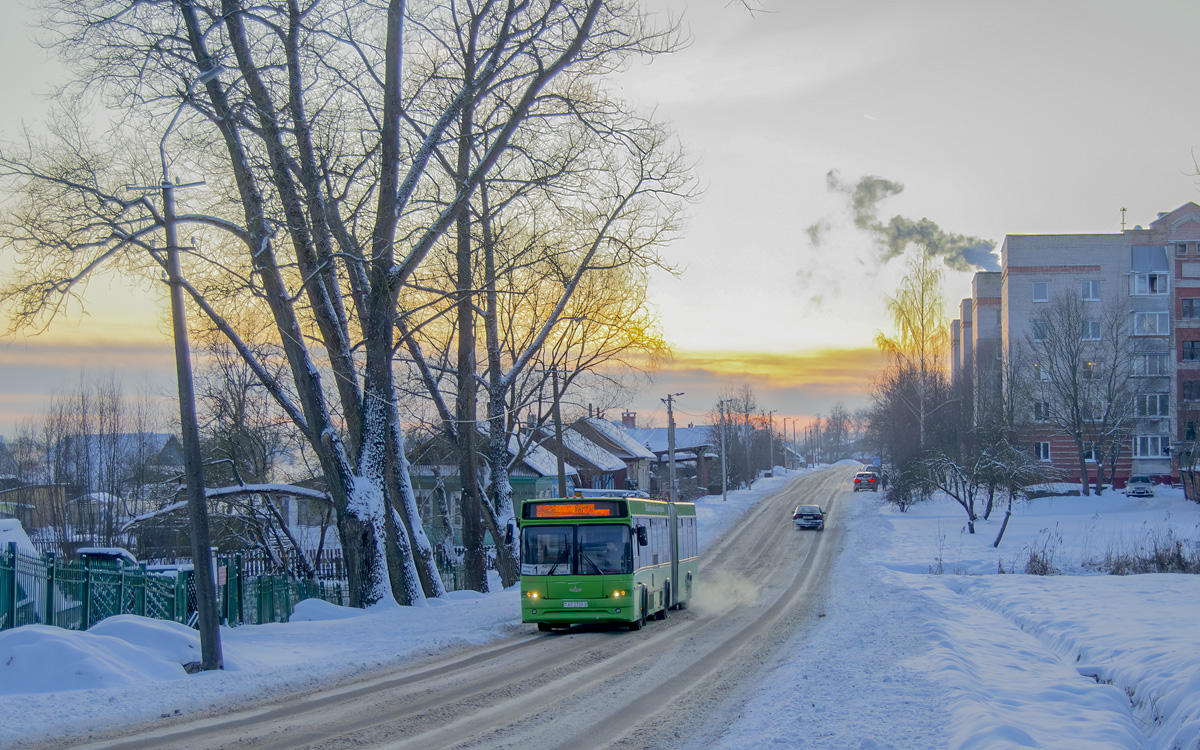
[588, 686]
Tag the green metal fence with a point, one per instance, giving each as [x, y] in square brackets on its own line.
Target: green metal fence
[36, 589]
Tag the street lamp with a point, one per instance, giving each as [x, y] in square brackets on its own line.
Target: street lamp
[202, 561]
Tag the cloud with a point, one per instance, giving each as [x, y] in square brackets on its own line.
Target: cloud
[831, 370]
[793, 384]
[959, 252]
[37, 367]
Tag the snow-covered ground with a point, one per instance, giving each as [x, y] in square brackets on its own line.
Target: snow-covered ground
[920, 643]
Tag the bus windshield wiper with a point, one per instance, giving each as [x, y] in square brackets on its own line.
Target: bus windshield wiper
[591, 562]
[555, 565]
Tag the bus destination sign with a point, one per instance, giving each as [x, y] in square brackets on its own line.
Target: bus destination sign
[595, 509]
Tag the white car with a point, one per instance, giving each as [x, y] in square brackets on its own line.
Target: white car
[1139, 485]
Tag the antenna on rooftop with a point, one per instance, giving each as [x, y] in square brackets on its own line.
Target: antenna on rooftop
[1122, 218]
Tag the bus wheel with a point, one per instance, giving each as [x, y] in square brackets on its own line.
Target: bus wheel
[641, 620]
[683, 603]
[662, 613]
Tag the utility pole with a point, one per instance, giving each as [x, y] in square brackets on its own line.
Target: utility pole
[208, 624]
[751, 474]
[562, 469]
[785, 443]
[724, 473]
[771, 438]
[673, 492]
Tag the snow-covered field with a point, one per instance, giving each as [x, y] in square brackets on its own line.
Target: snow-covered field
[904, 657]
[899, 656]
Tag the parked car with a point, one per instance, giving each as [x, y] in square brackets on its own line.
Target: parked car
[109, 554]
[809, 517]
[866, 480]
[1139, 485]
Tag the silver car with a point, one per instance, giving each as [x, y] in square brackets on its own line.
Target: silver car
[1139, 485]
[809, 517]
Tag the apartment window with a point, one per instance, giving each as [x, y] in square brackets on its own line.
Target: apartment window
[1041, 330]
[1181, 248]
[1091, 330]
[1041, 291]
[1089, 290]
[1089, 452]
[1149, 283]
[1152, 365]
[1152, 404]
[1039, 372]
[1041, 449]
[1093, 411]
[1041, 411]
[1151, 446]
[1151, 324]
[1191, 390]
[1189, 270]
[1191, 308]
[1191, 351]
[1090, 370]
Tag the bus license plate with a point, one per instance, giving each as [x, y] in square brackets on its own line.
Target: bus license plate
[575, 604]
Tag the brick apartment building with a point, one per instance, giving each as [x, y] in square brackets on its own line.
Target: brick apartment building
[1153, 275]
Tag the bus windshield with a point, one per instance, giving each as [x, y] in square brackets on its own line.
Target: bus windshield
[576, 550]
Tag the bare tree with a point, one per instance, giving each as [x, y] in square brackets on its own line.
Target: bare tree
[837, 431]
[1082, 363]
[321, 124]
[571, 217]
[921, 338]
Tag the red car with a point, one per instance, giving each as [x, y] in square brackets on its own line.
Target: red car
[866, 480]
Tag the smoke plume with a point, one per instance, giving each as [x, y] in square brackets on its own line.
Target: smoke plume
[959, 252]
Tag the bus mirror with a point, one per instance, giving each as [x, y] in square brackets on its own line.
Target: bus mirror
[509, 532]
[643, 537]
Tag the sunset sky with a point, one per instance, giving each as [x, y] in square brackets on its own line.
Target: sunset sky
[1043, 116]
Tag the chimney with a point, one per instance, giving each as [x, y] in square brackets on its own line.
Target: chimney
[629, 419]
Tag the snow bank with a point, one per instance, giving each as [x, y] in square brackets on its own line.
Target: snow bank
[919, 621]
[11, 531]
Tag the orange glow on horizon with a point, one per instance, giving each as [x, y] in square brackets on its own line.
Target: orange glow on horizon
[832, 369]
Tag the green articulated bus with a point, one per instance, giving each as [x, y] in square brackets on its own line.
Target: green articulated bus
[606, 559]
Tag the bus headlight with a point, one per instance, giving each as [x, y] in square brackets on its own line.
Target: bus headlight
[532, 595]
[618, 594]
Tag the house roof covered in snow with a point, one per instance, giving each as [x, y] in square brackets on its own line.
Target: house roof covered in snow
[541, 461]
[589, 452]
[623, 443]
[655, 438]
